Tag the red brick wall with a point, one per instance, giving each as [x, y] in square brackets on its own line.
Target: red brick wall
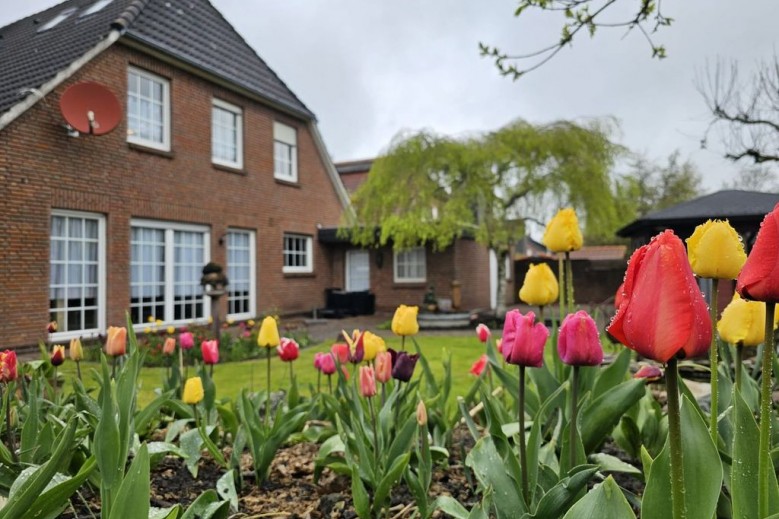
[42, 168]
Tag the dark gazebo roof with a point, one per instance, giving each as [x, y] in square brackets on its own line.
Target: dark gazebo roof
[743, 209]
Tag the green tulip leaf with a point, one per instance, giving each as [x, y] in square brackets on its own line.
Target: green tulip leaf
[207, 506]
[132, 500]
[359, 495]
[391, 477]
[605, 501]
[604, 413]
[557, 500]
[490, 470]
[613, 374]
[165, 513]
[609, 463]
[702, 472]
[451, 507]
[225, 486]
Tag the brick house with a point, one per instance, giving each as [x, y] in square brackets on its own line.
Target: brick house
[214, 159]
[404, 277]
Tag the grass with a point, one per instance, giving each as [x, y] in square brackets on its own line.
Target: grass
[231, 378]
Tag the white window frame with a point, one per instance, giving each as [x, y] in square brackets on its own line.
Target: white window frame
[237, 111]
[101, 277]
[135, 139]
[61, 17]
[285, 135]
[403, 256]
[170, 228]
[252, 275]
[309, 241]
[95, 7]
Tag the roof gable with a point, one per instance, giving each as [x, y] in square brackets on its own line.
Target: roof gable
[192, 31]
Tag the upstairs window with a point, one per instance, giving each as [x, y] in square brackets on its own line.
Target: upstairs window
[411, 266]
[148, 110]
[58, 19]
[298, 254]
[226, 134]
[97, 6]
[285, 152]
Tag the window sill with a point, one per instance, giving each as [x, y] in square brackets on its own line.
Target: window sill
[229, 169]
[153, 151]
[299, 274]
[287, 182]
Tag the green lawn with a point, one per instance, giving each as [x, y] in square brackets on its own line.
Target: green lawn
[231, 378]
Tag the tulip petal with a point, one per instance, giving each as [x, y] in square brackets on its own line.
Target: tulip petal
[759, 279]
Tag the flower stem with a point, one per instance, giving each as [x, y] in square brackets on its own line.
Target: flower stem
[739, 361]
[574, 414]
[78, 369]
[113, 367]
[569, 281]
[290, 373]
[522, 446]
[267, 405]
[330, 383]
[402, 343]
[375, 434]
[675, 441]
[765, 465]
[714, 364]
[8, 429]
[211, 371]
[561, 287]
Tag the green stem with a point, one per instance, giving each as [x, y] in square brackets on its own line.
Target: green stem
[739, 361]
[78, 369]
[211, 371]
[8, 429]
[541, 315]
[675, 441]
[113, 367]
[375, 434]
[569, 282]
[290, 373]
[402, 343]
[714, 363]
[765, 465]
[267, 405]
[522, 446]
[330, 383]
[560, 287]
[574, 414]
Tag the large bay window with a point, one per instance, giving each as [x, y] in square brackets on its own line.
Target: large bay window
[77, 274]
[410, 266]
[241, 268]
[166, 263]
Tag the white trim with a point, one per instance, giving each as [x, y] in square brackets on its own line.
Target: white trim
[165, 145]
[237, 111]
[252, 275]
[395, 276]
[286, 135]
[309, 254]
[101, 276]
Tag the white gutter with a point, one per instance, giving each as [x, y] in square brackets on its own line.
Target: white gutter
[36, 94]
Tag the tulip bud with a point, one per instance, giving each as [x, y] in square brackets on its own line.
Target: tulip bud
[540, 287]
[421, 414]
[75, 351]
[523, 339]
[340, 351]
[171, 330]
[373, 345]
[367, 381]
[715, 250]
[288, 350]
[384, 367]
[758, 280]
[269, 333]
[479, 365]
[186, 340]
[403, 365]
[562, 232]
[579, 342]
[649, 373]
[116, 341]
[210, 351]
[52, 327]
[327, 363]
[57, 355]
[483, 332]
[743, 322]
[193, 391]
[404, 322]
[169, 348]
[8, 369]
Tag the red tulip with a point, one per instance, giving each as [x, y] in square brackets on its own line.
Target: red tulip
[52, 327]
[523, 339]
[648, 372]
[340, 351]
[482, 332]
[367, 381]
[327, 363]
[578, 342]
[210, 351]
[186, 340]
[618, 296]
[288, 349]
[57, 355]
[478, 366]
[663, 312]
[759, 277]
[8, 370]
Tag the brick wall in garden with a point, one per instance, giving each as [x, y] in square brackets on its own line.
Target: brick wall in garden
[42, 168]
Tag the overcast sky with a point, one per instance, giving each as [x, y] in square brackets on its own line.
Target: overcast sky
[371, 68]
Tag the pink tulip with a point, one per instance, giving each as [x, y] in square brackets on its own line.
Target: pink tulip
[384, 367]
[479, 365]
[649, 372]
[367, 381]
[524, 339]
[288, 350]
[341, 352]
[327, 364]
[186, 340]
[579, 343]
[210, 351]
[483, 332]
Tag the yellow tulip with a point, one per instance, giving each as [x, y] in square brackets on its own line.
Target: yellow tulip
[715, 250]
[75, 351]
[743, 322]
[373, 345]
[193, 391]
[269, 333]
[540, 286]
[404, 322]
[562, 232]
[171, 330]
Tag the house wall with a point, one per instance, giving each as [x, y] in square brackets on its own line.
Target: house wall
[42, 168]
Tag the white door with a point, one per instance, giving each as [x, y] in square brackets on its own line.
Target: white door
[358, 270]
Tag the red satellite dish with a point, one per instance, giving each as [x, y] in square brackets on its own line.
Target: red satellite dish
[90, 108]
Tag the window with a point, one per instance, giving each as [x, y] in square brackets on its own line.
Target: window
[285, 152]
[166, 263]
[226, 134]
[77, 274]
[298, 254]
[148, 110]
[97, 6]
[58, 19]
[411, 266]
[241, 274]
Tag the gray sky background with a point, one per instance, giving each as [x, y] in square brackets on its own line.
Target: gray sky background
[371, 68]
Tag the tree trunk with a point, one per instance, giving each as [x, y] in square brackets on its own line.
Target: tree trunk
[500, 299]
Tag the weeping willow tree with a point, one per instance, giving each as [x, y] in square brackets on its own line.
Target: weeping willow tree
[432, 189]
